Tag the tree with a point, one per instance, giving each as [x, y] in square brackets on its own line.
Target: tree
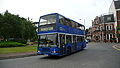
[13, 26]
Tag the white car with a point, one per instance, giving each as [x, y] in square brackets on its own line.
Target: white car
[86, 41]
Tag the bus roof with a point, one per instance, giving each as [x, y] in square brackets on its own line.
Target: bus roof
[63, 16]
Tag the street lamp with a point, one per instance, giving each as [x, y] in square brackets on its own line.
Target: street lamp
[83, 21]
[84, 27]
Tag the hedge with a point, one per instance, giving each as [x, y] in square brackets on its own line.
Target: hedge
[11, 44]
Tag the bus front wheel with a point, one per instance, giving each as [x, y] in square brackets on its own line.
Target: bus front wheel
[82, 47]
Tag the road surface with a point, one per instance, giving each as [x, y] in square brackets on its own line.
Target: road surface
[96, 55]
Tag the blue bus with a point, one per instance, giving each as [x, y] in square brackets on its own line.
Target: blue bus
[59, 35]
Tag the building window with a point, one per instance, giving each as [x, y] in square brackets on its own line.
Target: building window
[97, 28]
[107, 27]
[109, 18]
[110, 27]
[111, 36]
[101, 28]
[107, 36]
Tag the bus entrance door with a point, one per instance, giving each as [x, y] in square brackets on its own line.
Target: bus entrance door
[62, 43]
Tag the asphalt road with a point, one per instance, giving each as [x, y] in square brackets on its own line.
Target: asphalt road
[96, 55]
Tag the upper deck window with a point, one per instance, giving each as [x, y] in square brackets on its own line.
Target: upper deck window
[65, 21]
[70, 23]
[47, 23]
[50, 19]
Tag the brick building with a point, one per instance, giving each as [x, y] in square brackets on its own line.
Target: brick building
[115, 9]
[106, 27]
[89, 34]
[103, 28]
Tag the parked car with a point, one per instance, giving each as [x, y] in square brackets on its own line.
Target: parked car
[86, 41]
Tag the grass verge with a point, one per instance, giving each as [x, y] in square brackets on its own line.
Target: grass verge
[29, 48]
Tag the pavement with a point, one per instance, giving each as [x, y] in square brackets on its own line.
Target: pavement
[17, 55]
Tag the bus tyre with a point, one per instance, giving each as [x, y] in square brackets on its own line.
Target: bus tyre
[82, 47]
[68, 51]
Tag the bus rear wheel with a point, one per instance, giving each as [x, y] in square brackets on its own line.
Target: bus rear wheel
[68, 51]
[82, 47]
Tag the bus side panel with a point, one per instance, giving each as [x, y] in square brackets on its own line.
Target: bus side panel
[84, 43]
[78, 44]
[67, 29]
[74, 47]
[48, 51]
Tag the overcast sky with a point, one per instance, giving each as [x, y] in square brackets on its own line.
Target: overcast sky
[74, 9]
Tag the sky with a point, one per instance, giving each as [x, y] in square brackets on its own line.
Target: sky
[82, 11]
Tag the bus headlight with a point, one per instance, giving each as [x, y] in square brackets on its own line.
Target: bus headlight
[38, 51]
[55, 51]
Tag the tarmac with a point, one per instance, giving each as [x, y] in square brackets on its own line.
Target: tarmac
[117, 47]
[27, 54]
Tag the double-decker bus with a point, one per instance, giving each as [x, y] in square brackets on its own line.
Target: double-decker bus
[59, 35]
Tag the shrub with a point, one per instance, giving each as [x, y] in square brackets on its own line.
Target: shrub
[11, 44]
